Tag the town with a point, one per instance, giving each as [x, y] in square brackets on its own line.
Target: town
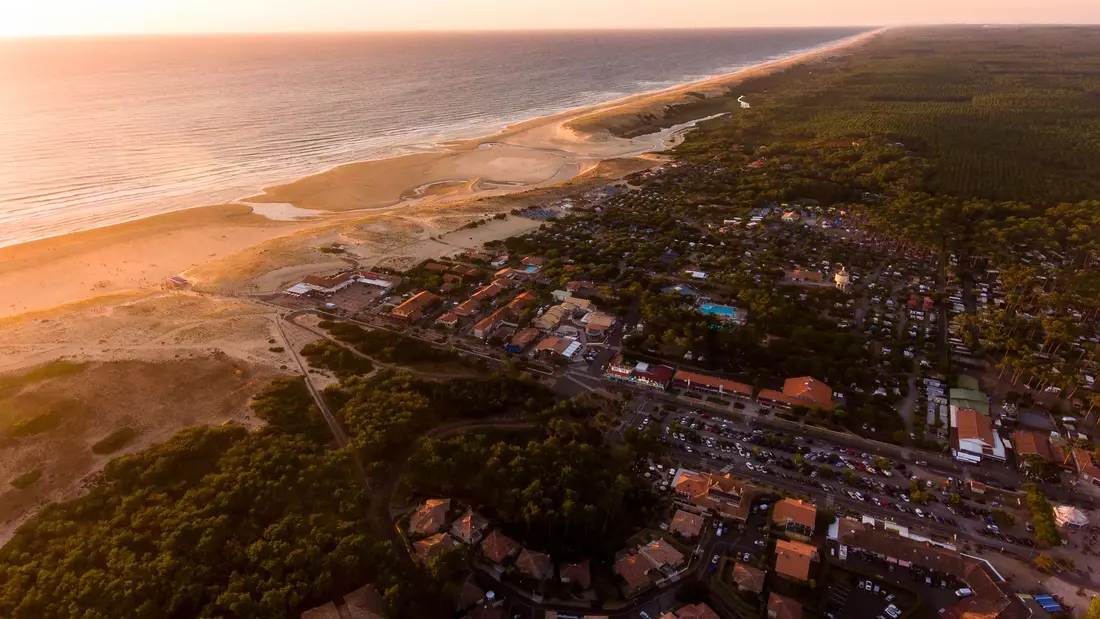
[852, 466]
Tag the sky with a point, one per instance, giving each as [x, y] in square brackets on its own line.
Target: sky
[95, 17]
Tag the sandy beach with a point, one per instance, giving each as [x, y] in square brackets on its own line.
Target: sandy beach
[435, 189]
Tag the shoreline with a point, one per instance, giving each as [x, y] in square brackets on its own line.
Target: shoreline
[138, 255]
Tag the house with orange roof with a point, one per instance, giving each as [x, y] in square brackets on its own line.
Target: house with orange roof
[535, 565]
[429, 547]
[662, 556]
[796, 517]
[793, 559]
[724, 496]
[686, 524]
[449, 320]
[430, 517]
[470, 527]
[498, 547]
[1027, 443]
[801, 391]
[596, 324]
[412, 309]
[973, 438]
[635, 571]
[749, 579]
[783, 607]
[576, 574]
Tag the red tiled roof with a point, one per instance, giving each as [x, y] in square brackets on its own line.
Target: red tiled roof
[749, 578]
[972, 425]
[497, 547]
[783, 607]
[727, 386]
[430, 517]
[578, 573]
[633, 569]
[796, 511]
[535, 564]
[696, 611]
[1031, 443]
[793, 559]
[809, 389]
[686, 523]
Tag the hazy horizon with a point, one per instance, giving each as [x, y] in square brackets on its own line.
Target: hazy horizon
[156, 17]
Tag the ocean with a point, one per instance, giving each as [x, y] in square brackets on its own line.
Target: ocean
[95, 131]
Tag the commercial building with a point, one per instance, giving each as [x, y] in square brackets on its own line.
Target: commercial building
[639, 373]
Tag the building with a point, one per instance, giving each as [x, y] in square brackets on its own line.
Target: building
[365, 603]
[449, 320]
[565, 348]
[1027, 443]
[430, 517]
[990, 600]
[801, 391]
[701, 382]
[793, 559]
[535, 565]
[1086, 469]
[315, 285]
[783, 607]
[635, 572]
[796, 517]
[791, 216]
[662, 556]
[842, 278]
[972, 437]
[576, 574]
[327, 610]
[498, 548]
[596, 324]
[522, 339]
[412, 309]
[749, 579]
[724, 496]
[639, 373]
[694, 611]
[470, 306]
[429, 547]
[686, 524]
[470, 527]
[799, 275]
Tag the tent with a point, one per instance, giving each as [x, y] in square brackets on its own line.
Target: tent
[1070, 515]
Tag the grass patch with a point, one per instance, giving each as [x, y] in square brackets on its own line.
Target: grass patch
[27, 479]
[338, 359]
[42, 422]
[114, 441]
[54, 369]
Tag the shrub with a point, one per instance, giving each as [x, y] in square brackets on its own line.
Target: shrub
[27, 479]
[114, 441]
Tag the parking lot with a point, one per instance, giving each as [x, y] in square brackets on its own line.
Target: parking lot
[935, 590]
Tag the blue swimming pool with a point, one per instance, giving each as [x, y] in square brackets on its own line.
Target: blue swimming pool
[722, 311]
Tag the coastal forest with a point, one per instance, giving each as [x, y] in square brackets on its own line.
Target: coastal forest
[980, 145]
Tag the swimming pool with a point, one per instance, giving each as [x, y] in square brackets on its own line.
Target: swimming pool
[722, 311]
